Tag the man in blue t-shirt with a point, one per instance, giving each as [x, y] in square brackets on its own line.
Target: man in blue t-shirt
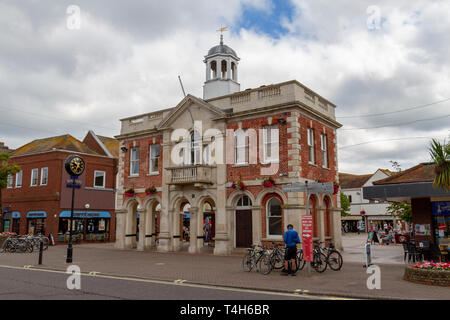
[291, 239]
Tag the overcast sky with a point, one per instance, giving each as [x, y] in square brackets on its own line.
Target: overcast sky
[61, 75]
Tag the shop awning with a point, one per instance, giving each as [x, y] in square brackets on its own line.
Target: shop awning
[354, 218]
[15, 214]
[380, 218]
[36, 214]
[85, 214]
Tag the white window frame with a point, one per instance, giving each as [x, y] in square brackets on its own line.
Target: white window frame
[268, 216]
[324, 148]
[241, 147]
[9, 181]
[32, 176]
[19, 176]
[104, 178]
[134, 150]
[152, 158]
[44, 169]
[195, 148]
[311, 151]
[273, 144]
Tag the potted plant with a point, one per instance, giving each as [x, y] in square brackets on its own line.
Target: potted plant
[269, 182]
[151, 190]
[129, 192]
[239, 185]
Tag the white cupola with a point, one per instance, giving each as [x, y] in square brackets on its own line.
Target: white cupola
[221, 71]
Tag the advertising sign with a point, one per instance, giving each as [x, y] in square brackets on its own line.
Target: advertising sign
[307, 237]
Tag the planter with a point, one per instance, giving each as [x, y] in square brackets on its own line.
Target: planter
[429, 277]
[129, 194]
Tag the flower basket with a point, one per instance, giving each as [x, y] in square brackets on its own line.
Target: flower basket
[335, 188]
[269, 182]
[151, 190]
[129, 192]
[239, 185]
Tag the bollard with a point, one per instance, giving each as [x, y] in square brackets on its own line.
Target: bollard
[41, 249]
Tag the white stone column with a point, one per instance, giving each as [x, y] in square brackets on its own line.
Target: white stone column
[321, 226]
[176, 236]
[208, 70]
[142, 230]
[120, 228]
[235, 72]
[219, 68]
[193, 243]
[256, 225]
[229, 69]
[165, 242]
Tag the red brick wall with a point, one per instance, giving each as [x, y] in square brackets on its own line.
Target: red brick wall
[90, 141]
[143, 180]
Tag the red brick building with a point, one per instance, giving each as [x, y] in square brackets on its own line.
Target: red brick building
[37, 199]
[196, 154]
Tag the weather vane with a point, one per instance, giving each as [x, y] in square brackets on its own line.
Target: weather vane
[222, 30]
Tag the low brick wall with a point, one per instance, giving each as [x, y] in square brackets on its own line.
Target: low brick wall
[430, 277]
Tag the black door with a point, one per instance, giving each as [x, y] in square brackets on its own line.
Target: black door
[243, 228]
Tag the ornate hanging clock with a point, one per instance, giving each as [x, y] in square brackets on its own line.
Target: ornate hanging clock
[75, 165]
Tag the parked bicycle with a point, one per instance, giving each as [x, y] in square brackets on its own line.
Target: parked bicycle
[257, 258]
[36, 241]
[334, 258]
[277, 256]
[15, 243]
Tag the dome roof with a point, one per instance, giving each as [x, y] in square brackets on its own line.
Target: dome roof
[223, 49]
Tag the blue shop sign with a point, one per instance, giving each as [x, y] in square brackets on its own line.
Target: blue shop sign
[36, 214]
[16, 215]
[440, 208]
[85, 214]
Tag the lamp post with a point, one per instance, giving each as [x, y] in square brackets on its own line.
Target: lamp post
[74, 166]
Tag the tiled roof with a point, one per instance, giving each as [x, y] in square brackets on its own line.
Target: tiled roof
[351, 181]
[423, 172]
[111, 144]
[64, 142]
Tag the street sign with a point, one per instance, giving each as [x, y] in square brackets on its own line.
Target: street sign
[307, 237]
[71, 184]
[312, 188]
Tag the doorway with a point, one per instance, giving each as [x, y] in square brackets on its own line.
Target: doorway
[244, 231]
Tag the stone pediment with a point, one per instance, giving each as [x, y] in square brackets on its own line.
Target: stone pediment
[193, 108]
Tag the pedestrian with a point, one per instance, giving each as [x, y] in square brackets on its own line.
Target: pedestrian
[291, 239]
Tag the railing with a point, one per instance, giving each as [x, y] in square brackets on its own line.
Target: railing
[269, 92]
[191, 174]
[183, 175]
[240, 98]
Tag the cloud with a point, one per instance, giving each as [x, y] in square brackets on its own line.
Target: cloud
[126, 57]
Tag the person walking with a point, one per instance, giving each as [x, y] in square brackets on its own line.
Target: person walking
[291, 239]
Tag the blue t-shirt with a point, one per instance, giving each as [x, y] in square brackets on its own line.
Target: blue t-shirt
[291, 238]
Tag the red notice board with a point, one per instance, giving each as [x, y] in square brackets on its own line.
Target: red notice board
[307, 237]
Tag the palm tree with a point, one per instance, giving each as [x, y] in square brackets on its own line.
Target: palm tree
[440, 154]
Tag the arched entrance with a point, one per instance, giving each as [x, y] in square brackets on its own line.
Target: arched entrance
[131, 224]
[243, 223]
[185, 225]
[209, 223]
[313, 211]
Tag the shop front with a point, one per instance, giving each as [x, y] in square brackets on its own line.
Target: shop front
[87, 225]
[440, 211]
[36, 222]
[351, 223]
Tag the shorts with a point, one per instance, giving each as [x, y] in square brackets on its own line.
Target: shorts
[291, 253]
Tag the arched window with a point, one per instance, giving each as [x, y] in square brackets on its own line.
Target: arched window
[244, 201]
[273, 217]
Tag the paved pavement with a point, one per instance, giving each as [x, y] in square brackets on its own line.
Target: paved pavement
[226, 271]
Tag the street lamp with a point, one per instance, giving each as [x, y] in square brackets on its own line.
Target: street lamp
[74, 166]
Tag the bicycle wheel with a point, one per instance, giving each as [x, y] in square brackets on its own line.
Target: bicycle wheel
[265, 265]
[277, 260]
[320, 262]
[10, 247]
[299, 262]
[29, 247]
[335, 261]
[45, 243]
[247, 262]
